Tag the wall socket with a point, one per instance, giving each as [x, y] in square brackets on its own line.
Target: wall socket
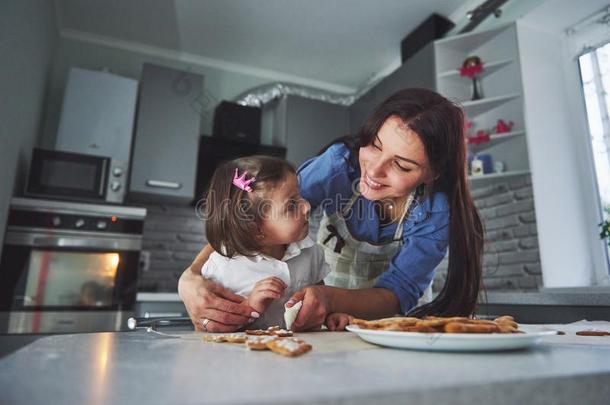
[144, 262]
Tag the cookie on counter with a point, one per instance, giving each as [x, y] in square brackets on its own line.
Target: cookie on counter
[290, 347]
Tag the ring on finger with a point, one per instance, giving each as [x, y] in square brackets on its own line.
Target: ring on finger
[204, 324]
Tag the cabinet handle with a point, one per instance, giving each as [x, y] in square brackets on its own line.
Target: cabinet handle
[163, 184]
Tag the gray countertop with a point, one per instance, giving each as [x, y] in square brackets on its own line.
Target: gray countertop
[591, 296]
[130, 367]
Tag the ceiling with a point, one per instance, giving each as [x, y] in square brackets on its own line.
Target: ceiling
[338, 43]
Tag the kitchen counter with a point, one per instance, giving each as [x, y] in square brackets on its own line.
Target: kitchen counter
[144, 367]
[550, 305]
[589, 296]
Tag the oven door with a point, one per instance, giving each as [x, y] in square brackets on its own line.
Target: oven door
[67, 281]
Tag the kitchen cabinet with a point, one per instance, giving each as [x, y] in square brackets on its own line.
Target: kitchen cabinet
[500, 83]
[304, 126]
[417, 71]
[97, 114]
[164, 159]
[153, 305]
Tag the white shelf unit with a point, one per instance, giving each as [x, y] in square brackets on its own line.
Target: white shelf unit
[487, 179]
[501, 87]
[495, 139]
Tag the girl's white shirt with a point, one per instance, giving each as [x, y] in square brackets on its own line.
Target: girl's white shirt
[303, 264]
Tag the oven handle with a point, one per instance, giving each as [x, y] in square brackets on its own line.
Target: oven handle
[37, 240]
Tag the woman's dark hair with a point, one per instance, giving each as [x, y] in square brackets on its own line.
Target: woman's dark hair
[439, 123]
[232, 215]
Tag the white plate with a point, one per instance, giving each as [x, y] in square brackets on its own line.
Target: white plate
[460, 342]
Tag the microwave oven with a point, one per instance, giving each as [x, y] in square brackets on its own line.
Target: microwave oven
[75, 176]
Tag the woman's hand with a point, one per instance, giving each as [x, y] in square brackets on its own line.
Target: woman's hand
[204, 299]
[264, 292]
[316, 306]
[337, 321]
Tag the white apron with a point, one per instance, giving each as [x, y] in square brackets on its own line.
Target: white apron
[355, 263]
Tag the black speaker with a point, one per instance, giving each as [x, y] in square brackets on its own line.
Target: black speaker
[237, 122]
[214, 151]
[434, 27]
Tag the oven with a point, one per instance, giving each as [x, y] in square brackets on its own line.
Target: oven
[69, 267]
[76, 176]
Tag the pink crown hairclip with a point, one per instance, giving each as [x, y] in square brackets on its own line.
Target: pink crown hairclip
[241, 181]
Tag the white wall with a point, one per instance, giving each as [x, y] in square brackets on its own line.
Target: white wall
[28, 37]
[558, 142]
[559, 211]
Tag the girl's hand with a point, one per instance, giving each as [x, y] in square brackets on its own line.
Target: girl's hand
[264, 292]
[338, 321]
[316, 306]
[204, 299]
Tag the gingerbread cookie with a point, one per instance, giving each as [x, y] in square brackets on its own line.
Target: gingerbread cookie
[270, 331]
[236, 338]
[289, 347]
[215, 338]
[592, 333]
[230, 338]
[438, 324]
[259, 342]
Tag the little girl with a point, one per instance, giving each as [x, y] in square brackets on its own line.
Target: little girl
[257, 222]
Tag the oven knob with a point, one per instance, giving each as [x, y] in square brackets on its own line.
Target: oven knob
[117, 172]
[101, 225]
[56, 221]
[79, 223]
[115, 186]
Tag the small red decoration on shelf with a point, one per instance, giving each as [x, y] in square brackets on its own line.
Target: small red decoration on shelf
[480, 137]
[503, 126]
[472, 66]
[468, 126]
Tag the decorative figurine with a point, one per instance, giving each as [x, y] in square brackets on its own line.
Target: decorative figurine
[472, 66]
[476, 167]
[498, 166]
[503, 127]
[487, 162]
[480, 137]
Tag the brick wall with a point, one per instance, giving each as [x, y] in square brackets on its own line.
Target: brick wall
[173, 235]
[511, 260]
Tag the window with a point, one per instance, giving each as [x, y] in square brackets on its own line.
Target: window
[595, 77]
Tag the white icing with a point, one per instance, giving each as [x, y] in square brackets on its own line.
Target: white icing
[261, 339]
[289, 345]
[290, 314]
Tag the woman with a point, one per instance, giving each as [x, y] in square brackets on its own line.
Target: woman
[394, 197]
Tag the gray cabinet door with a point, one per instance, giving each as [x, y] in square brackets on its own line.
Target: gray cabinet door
[165, 149]
[309, 125]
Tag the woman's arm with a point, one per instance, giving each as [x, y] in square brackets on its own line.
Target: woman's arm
[320, 300]
[368, 303]
[205, 299]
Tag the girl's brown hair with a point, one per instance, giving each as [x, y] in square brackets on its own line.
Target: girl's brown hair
[439, 123]
[233, 216]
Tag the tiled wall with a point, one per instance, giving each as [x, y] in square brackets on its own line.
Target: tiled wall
[512, 258]
[173, 235]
